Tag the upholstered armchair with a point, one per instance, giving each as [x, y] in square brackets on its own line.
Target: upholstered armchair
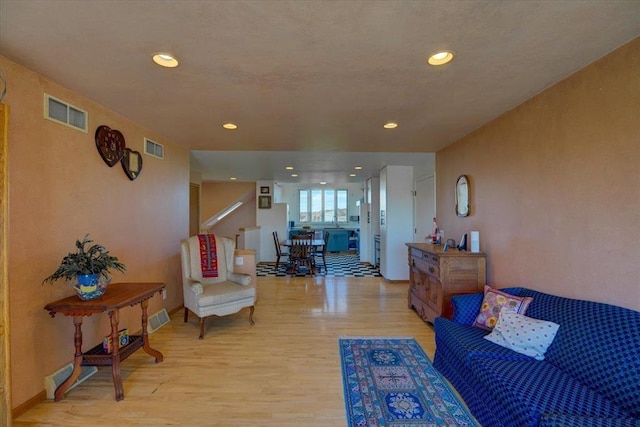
[225, 294]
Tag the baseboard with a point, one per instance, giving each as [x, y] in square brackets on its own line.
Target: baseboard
[21, 409]
[175, 310]
[395, 281]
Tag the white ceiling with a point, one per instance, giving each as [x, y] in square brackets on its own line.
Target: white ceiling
[314, 79]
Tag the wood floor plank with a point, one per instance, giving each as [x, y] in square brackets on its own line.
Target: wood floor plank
[284, 371]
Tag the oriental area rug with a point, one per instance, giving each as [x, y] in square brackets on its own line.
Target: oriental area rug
[390, 382]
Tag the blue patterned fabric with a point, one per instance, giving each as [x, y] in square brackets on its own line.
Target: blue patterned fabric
[528, 389]
[555, 420]
[598, 344]
[591, 370]
[466, 342]
[391, 383]
[463, 380]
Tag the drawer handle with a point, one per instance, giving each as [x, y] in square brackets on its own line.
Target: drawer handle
[413, 263]
[435, 259]
[431, 269]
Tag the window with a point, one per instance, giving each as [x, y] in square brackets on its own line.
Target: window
[326, 205]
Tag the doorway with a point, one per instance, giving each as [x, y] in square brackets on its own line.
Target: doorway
[424, 207]
[194, 209]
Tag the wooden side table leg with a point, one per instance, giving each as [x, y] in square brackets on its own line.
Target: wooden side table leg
[115, 355]
[145, 336]
[77, 360]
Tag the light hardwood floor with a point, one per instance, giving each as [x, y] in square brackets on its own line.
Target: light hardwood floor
[284, 371]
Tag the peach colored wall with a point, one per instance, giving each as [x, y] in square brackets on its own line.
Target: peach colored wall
[555, 186]
[218, 195]
[60, 189]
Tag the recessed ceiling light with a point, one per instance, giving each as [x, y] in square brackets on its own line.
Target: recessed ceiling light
[230, 126]
[440, 58]
[233, 178]
[323, 182]
[289, 168]
[352, 174]
[294, 175]
[358, 168]
[390, 125]
[165, 60]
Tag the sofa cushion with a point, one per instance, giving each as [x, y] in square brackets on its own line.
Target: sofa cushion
[523, 334]
[597, 343]
[466, 306]
[524, 390]
[224, 292]
[467, 342]
[493, 301]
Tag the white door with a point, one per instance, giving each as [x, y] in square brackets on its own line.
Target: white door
[425, 207]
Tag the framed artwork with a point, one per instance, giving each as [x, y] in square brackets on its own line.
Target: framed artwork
[264, 202]
[264, 190]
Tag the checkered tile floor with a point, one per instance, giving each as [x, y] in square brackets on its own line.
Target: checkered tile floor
[342, 264]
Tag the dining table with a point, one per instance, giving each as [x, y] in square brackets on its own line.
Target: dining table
[317, 244]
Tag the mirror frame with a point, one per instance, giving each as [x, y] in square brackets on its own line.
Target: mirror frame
[462, 196]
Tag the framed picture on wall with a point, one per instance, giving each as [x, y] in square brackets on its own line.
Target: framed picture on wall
[264, 190]
[264, 202]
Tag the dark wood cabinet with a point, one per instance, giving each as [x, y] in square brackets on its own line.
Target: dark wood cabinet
[435, 276]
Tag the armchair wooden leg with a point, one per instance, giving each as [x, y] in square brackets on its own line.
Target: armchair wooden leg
[186, 314]
[201, 328]
[251, 309]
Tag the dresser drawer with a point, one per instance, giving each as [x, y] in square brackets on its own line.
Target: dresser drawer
[426, 266]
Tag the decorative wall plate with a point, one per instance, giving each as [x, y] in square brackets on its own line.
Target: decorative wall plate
[131, 163]
[110, 144]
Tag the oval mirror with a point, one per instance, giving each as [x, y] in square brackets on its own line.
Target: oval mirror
[462, 196]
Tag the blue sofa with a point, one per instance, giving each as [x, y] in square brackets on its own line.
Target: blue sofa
[590, 375]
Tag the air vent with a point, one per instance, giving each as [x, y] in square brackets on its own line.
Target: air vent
[64, 113]
[154, 149]
[157, 321]
[52, 382]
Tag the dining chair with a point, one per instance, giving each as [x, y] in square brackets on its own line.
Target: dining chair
[323, 253]
[279, 252]
[302, 236]
[301, 254]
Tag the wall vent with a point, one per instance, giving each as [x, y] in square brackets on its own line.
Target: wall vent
[154, 149]
[52, 382]
[64, 113]
[157, 321]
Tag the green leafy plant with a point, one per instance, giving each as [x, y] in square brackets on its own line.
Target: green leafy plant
[94, 260]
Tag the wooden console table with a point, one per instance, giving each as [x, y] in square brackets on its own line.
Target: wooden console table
[117, 296]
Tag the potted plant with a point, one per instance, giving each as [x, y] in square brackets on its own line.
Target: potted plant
[87, 269]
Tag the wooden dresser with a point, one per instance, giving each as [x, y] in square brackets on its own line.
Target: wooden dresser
[435, 276]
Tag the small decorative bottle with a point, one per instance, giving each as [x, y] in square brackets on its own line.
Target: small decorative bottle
[434, 234]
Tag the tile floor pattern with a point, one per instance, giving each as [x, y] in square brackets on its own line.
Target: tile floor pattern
[341, 264]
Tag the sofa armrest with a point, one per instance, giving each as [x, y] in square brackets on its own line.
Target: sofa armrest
[239, 278]
[466, 307]
[556, 420]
